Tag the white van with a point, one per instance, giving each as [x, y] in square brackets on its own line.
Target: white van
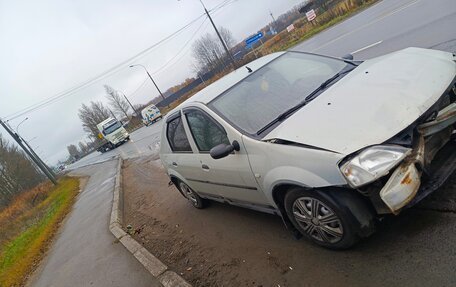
[150, 114]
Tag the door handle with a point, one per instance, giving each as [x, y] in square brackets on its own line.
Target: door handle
[174, 163]
[204, 166]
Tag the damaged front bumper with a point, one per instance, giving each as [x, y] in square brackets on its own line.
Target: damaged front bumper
[422, 172]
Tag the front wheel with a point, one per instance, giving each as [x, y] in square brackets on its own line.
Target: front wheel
[192, 196]
[320, 218]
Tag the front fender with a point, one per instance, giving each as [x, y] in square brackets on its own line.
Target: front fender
[292, 175]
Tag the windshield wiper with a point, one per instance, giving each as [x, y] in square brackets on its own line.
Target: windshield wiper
[307, 99]
[323, 85]
[282, 116]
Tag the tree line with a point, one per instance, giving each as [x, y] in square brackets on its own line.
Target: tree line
[93, 113]
[17, 172]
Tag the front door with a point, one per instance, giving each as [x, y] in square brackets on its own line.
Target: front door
[230, 177]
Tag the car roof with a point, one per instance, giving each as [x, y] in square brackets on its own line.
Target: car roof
[218, 87]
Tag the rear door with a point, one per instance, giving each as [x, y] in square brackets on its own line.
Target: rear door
[181, 160]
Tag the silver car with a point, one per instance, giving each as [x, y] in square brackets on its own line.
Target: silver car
[328, 144]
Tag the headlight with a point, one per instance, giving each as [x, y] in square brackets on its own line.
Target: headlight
[372, 163]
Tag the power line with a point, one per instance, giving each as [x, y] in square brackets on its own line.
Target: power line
[138, 88]
[114, 69]
[165, 66]
[223, 4]
[183, 47]
[99, 77]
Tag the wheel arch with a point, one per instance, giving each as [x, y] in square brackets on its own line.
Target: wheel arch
[175, 180]
[362, 214]
[278, 193]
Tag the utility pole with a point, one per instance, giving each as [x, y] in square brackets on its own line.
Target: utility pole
[133, 108]
[37, 157]
[42, 166]
[273, 21]
[233, 62]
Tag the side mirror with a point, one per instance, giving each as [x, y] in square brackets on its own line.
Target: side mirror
[221, 151]
[348, 57]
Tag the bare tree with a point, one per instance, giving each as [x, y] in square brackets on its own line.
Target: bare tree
[139, 107]
[83, 148]
[17, 172]
[91, 115]
[227, 36]
[73, 151]
[209, 52]
[118, 103]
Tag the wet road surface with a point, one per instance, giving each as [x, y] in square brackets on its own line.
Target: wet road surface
[85, 252]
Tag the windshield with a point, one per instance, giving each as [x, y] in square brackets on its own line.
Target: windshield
[111, 127]
[273, 89]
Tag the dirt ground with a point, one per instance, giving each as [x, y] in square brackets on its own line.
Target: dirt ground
[224, 245]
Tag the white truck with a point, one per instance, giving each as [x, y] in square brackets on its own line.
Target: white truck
[150, 114]
[113, 133]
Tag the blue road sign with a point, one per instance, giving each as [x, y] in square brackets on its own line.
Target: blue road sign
[254, 39]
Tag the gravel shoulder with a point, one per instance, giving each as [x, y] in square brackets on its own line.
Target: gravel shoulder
[224, 245]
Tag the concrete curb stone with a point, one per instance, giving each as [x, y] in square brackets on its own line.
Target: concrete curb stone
[151, 263]
[171, 279]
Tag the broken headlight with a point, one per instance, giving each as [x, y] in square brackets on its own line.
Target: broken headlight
[372, 163]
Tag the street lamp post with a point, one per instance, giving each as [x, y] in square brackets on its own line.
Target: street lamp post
[150, 77]
[17, 127]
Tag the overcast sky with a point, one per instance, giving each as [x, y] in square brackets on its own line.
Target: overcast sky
[50, 46]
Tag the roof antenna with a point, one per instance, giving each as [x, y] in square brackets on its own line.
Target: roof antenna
[248, 69]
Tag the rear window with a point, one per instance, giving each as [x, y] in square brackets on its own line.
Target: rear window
[177, 137]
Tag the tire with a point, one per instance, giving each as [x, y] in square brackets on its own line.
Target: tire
[321, 218]
[192, 196]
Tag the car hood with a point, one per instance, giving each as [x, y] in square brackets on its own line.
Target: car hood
[373, 103]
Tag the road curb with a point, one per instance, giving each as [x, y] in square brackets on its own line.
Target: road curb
[151, 263]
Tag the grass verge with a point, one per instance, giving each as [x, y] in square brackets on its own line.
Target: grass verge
[335, 15]
[35, 230]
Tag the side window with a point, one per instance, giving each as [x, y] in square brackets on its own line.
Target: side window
[206, 132]
[176, 136]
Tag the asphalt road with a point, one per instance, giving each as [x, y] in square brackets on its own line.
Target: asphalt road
[388, 26]
[144, 141]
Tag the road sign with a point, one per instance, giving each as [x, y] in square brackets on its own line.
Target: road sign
[254, 39]
[290, 28]
[311, 15]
